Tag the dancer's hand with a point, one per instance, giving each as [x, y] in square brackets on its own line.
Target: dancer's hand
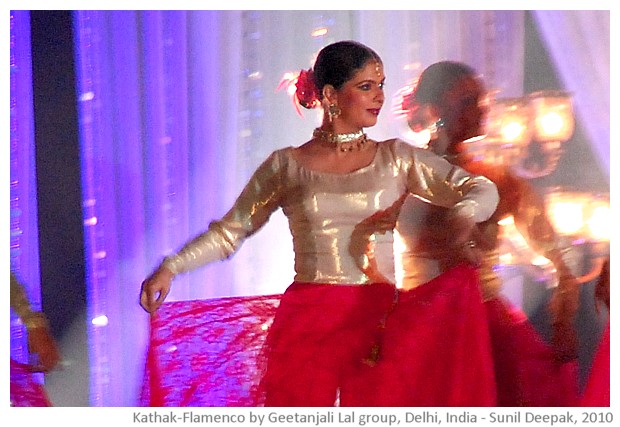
[42, 344]
[464, 240]
[563, 306]
[565, 299]
[155, 289]
[601, 290]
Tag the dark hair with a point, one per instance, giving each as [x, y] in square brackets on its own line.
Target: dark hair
[337, 63]
[430, 88]
[439, 78]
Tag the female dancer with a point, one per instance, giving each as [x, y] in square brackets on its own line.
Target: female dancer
[25, 390]
[342, 319]
[449, 98]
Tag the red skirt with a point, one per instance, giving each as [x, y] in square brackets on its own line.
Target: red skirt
[526, 369]
[596, 392]
[25, 390]
[321, 345]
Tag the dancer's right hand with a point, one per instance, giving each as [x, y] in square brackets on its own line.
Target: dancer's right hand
[155, 289]
[463, 239]
[44, 346]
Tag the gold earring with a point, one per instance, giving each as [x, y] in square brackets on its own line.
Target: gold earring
[333, 112]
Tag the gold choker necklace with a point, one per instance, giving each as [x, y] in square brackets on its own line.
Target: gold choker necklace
[345, 142]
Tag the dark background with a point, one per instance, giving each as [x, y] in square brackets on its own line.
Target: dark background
[61, 243]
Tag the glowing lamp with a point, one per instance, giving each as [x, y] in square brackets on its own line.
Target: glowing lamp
[585, 219]
[544, 119]
[553, 115]
[508, 122]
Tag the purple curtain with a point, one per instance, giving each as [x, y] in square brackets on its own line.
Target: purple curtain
[24, 237]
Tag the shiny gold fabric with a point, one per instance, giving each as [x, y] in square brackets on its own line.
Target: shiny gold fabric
[341, 223]
[425, 252]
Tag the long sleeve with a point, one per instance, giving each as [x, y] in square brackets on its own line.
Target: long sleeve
[533, 223]
[258, 200]
[436, 180]
[519, 199]
[524, 203]
[21, 305]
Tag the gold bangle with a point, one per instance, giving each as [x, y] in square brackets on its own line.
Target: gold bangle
[35, 320]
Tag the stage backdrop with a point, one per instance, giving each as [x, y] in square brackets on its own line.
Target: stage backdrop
[177, 108]
[24, 238]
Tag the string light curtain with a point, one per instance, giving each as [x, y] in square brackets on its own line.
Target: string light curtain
[24, 236]
[176, 110]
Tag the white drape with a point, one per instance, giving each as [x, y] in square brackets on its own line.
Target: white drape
[579, 44]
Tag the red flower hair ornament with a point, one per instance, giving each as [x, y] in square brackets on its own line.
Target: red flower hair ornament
[302, 89]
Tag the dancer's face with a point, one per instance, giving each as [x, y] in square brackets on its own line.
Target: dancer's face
[361, 98]
[464, 108]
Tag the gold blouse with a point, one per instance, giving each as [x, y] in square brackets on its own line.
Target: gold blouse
[423, 236]
[341, 224]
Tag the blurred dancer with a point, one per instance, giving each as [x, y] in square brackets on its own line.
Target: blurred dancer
[449, 99]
